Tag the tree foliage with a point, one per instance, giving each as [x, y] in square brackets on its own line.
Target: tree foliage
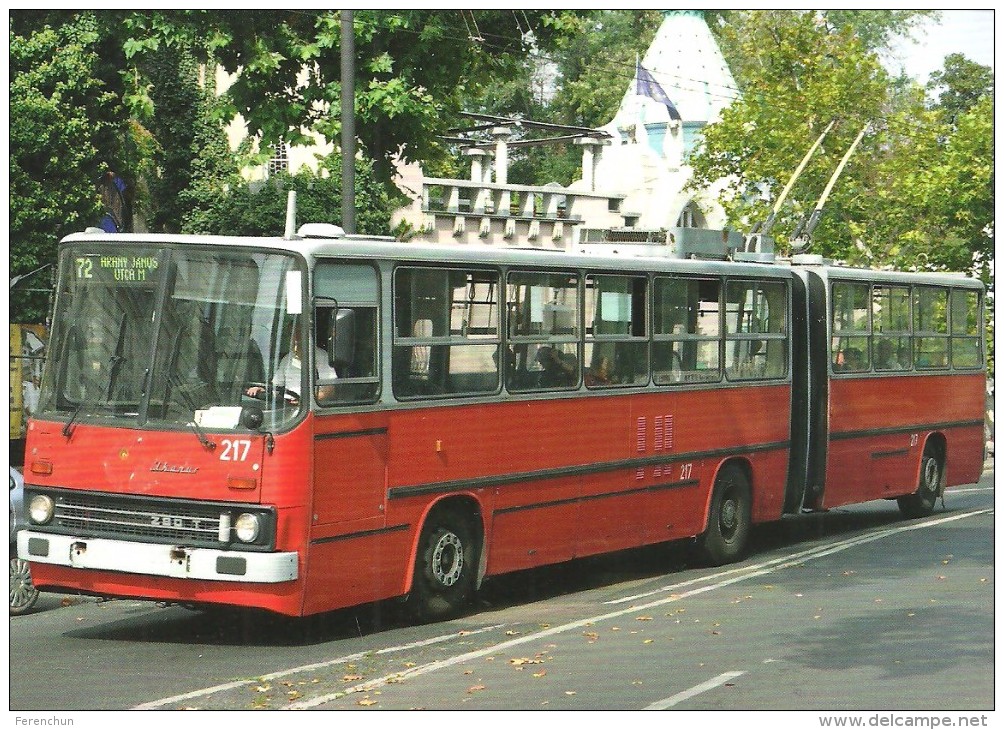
[66, 130]
[414, 68]
[800, 70]
[260, 209]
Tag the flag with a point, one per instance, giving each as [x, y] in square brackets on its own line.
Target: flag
[648, 86]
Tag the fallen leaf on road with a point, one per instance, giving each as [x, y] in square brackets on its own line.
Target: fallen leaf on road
[539, 674]
[352, 677]
[475, 688]
[366, 702]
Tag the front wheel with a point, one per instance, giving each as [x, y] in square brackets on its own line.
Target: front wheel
[729, 520]
[444, 569]
[921, 503]
[23, 592]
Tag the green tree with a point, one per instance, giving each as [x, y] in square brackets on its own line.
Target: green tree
[414, 69]
[67, 128]
[799, 71]
[260, 209]
[960, 85]
[597, 62]
[798, 75]
[189, 156]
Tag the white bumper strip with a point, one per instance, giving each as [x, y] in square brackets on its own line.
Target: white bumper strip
[151, 559]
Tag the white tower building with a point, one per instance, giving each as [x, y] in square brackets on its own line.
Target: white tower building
[646, 161]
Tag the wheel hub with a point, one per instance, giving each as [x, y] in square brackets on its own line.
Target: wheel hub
[728, 515]
[448, 559]
[931, 476]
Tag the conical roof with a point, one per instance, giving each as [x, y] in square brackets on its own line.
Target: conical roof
[684, 59]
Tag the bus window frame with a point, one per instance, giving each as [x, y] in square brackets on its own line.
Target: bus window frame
[919, 335]
[688, 377]
[511, 342]
[979, 338]
[323, 299]
[592, 340]
[448, 340]
[739, 336]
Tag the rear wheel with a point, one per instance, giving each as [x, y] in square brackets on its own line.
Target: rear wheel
[444, 570]
[730, 518]
[921, 503]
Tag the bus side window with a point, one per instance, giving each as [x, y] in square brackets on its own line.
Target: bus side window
[446, 332]
[930, 327]
[543, 323]
[347, 336]
[687, 330]
[850, 322]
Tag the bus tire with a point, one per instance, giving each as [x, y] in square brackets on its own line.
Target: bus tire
[23, 593]
[730, 518]
[921, 503]
[443, 583]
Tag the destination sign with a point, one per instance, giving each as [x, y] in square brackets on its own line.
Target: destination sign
[116, 268]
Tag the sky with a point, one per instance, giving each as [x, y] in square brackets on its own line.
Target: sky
[970, 32]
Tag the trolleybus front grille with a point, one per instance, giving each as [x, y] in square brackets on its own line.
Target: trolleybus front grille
[147, 519]
[168, 523]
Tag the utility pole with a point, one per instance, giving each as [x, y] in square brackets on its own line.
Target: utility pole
[348, 98]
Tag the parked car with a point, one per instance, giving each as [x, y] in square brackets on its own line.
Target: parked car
[23, 593]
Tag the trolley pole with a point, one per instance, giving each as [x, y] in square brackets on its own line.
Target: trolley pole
[348, 98]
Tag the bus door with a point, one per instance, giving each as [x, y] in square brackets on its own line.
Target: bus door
[807, 460]
[810, 393]
[350, 442]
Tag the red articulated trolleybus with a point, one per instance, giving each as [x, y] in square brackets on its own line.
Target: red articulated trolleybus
[319, 420]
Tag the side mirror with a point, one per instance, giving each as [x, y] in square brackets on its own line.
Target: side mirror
[342, 338]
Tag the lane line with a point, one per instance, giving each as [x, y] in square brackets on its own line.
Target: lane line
[694, 691]
[309, 668]
[638, 608]
[744, 573]
[794, 558]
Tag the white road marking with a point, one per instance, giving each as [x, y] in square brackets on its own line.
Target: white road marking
[737, 575]
[795, 558]
[694, 691]
[308, 668]
[756, 571]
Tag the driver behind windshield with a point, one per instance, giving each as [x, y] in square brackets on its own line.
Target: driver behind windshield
[287, 378]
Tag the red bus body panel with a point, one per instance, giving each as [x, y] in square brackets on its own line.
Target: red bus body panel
[879, 426]
[553, 480]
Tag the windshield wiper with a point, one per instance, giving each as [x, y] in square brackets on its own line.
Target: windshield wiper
[203, 439]
[113, 362]
[68, 426]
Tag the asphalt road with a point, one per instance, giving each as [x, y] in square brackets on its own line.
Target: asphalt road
[851, 610]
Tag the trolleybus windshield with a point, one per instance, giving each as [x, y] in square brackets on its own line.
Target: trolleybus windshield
[157, 336]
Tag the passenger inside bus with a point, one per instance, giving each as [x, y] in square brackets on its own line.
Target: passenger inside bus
[558, 369]
[599, 375]
[885, 356]
[854, 361]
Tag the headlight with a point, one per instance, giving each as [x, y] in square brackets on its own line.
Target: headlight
[247, 527]
[40, 509]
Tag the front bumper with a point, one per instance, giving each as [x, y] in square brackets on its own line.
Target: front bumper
[171, 561]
